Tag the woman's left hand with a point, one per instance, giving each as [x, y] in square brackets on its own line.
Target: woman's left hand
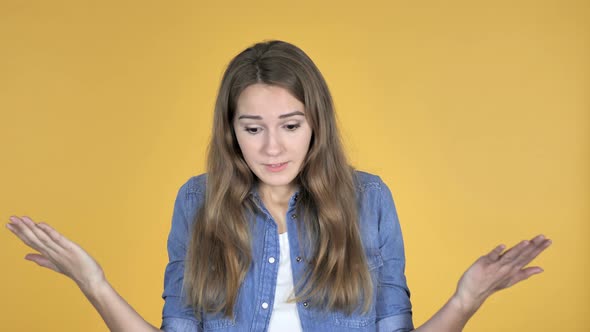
[496, 271]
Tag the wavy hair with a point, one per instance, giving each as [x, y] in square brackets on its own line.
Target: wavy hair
[219, 253]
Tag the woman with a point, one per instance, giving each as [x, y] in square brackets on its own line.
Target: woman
[281, 234]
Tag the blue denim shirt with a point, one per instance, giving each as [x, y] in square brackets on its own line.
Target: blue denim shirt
[382, 241]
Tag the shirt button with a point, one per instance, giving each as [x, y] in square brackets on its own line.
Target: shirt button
[305, 304]
[264, 305]
[271, 260]
[298, 259]
[294, 216]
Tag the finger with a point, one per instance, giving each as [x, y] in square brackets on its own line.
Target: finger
[23, 232]
[534, 251]
[43, 261]
[525, 253]
[58, 238]
[524, 274]
[494, 255]
[44, 241]
[513, 252]
[538, 239]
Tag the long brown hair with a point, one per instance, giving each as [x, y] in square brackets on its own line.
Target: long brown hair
[219, 254]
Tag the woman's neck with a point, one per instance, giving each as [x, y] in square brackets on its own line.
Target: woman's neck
[276, 195]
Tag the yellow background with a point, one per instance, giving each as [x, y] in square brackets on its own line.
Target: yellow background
[475, 113]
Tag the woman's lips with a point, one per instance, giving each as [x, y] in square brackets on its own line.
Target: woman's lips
[276, 167]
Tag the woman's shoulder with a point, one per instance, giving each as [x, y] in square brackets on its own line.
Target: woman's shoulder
[194, 185]
[365, 180]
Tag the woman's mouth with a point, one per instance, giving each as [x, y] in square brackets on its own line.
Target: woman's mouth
[276, 167]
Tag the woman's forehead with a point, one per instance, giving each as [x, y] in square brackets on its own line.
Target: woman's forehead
[267, 101]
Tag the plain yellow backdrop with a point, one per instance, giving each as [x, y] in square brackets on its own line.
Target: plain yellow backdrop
[476, 114]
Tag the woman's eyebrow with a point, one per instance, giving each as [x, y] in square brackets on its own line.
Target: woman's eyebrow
[258, 117]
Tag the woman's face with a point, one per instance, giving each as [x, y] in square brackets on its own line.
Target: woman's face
[272, 132]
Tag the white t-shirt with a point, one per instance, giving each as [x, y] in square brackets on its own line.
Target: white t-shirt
[284, 316]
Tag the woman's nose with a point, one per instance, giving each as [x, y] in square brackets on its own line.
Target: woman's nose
[273, 145]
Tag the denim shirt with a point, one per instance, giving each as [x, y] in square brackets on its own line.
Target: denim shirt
[382, 241]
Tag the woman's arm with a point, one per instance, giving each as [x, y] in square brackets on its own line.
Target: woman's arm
[115, 311]
[489, 274]
[64, 256]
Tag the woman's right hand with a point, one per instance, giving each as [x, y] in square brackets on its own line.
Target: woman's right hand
[57, 252]
[64, 256]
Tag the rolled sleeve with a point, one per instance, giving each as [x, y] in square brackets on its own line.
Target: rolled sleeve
[171, 324]
[396, 323]
[393, 306]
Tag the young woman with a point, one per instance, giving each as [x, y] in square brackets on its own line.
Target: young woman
[281, 234]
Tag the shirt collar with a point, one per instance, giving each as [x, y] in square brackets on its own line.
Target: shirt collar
[255, 193]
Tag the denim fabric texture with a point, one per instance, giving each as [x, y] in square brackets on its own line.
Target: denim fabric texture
[382, 241]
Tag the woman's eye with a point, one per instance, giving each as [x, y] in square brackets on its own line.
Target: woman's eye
[253, 130]
[292, 127]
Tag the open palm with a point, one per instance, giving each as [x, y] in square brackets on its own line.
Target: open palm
[56, 252]
[496, 271]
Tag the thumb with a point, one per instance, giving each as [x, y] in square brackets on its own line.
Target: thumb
[42, 261]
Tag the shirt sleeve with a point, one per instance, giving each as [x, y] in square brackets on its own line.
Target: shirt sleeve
[393, 306]
[176, 316]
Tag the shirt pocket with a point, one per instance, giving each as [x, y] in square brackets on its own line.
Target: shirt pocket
[357, 320]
